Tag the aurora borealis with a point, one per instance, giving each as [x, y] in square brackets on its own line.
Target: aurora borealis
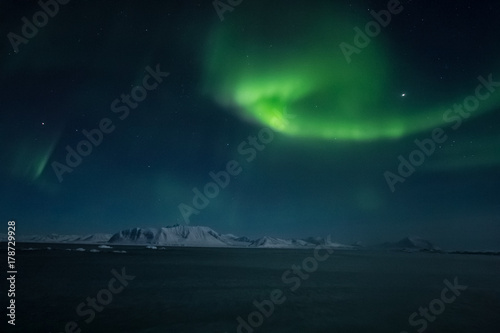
[332, 99]
[337, 125]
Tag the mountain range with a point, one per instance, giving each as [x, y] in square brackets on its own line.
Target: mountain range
[200, 236]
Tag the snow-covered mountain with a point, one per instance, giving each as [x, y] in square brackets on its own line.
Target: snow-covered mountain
[171, 236]
[411, 244]
[270, 242]
[56, 238]
[177, 235]
[328, 242]
[233, 240]
[204, 236]
[94, 238]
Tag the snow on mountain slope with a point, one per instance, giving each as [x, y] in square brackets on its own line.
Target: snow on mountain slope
[195, 236]
[233, 240]
[327, 242]
[171, 236]
[272, 242]
[94, 238]
[412, 244]
[56, 238]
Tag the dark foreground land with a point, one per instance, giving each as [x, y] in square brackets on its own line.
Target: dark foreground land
[206, 290]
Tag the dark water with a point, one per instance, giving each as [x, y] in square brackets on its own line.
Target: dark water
[205, 290]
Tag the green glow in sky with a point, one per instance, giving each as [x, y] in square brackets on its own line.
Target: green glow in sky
[259, 74]
[31, 158]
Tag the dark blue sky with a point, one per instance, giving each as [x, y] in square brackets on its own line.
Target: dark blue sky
[294, 180]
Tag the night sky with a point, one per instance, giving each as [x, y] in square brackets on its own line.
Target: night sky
[306, 116]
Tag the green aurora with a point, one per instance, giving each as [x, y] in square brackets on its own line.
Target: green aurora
[261, 73]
